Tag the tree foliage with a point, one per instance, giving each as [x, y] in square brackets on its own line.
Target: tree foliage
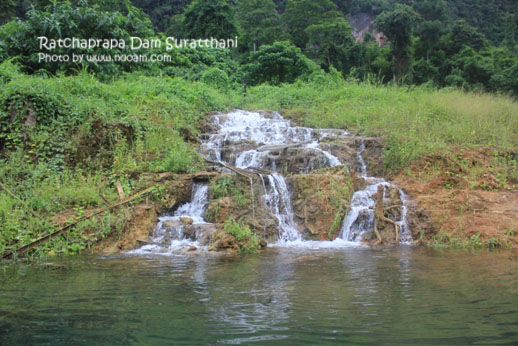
[64, 19]
[300, 14]
[330, 43]
[278, 63]
[210, 18]
[398, 26]
[259, 23]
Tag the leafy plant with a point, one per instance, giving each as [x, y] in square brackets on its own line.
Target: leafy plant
[247, 240]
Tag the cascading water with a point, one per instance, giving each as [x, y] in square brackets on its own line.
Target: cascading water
[249, 140]
[360, 218]
[254, 142]
[259, 139]
[185, 229]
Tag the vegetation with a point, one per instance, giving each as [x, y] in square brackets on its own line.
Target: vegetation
[414, 121]
[445, 240]
[247, 240]
[459, 43]
[226, 186]
[70, 131]
[83, 136]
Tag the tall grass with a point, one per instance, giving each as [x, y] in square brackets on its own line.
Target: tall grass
[42, 165]
[414, 121]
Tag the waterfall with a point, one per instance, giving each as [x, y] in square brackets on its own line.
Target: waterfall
[360, 218]
[255, 142]
[186, 228]
[249, 140]
[196, 207]
[264, 134]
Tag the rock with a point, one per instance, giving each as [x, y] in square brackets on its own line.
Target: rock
[224, 242]
[204, 233]
[192, 248]
[189, 232]
[320, 201]
[186, 220]
[171, 224]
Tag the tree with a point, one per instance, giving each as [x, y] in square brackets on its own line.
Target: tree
[424, 71]
[464, 34]
[260, 23]
[66, 20]
[431, 10]
[161, 11]
[429, 33]
[301, 14]
[398, 26]
[507, 80]
[510, 32]
[278, 63]
[330, 43]
[209, 18]
[6, 10]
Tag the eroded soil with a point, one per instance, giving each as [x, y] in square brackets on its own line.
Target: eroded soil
[473, 193]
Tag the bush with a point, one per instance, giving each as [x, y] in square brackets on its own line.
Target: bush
[279, 63]
[216, 78]
[247, 240]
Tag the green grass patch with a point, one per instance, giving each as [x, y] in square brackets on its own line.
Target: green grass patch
[414, 121]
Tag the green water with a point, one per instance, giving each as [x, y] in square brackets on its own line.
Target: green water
[289, 297]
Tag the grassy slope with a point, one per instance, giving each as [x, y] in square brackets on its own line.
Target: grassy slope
[162, 114]
[414, 121]
[56, 170]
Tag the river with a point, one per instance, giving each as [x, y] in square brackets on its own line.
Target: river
[291, 296]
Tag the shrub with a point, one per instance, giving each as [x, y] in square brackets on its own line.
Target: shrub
[278, 63]
[247, 240]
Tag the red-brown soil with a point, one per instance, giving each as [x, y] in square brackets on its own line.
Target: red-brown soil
[472, 192]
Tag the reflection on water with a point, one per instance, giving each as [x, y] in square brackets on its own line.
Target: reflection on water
[294, 296]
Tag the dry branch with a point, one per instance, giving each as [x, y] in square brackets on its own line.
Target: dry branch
[20, 251]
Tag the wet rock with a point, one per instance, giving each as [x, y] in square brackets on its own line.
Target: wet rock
[166, 240]
[189, 232]
[204, 233]
[186, 220]
[169, 224]
[224, 242]
[192, 248]
[346, 149]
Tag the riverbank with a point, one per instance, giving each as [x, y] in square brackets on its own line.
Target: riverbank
[68, 142]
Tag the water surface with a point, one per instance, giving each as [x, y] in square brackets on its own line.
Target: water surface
[288, 296]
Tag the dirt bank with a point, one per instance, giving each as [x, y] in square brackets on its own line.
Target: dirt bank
[469, 196]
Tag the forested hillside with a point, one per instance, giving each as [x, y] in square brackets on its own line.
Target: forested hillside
[459, 43]
[445, 80]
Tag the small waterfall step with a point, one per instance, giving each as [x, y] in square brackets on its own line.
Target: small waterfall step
[185, 230]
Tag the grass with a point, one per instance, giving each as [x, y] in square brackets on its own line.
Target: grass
[444, 240]
[414, 121]
[89, 135]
